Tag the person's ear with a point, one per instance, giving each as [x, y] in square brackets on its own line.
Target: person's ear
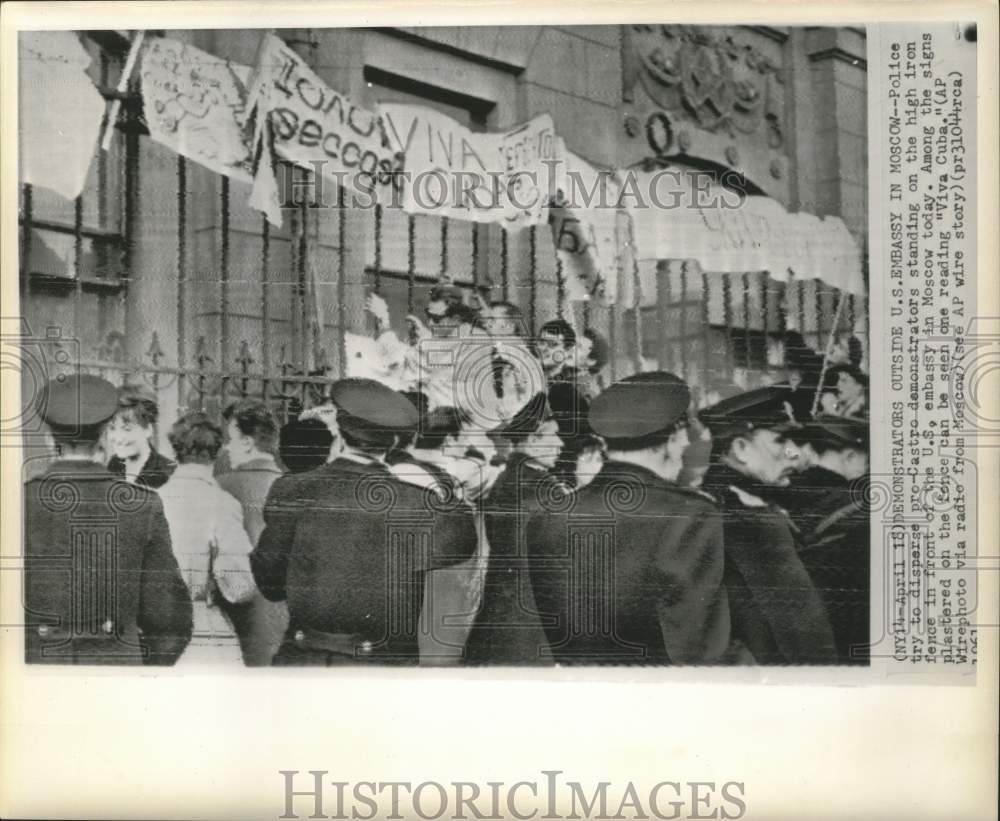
[739, 448]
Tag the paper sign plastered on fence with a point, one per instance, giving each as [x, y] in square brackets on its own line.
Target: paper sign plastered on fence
[194, 104]
[584, 231]
[726, 232]
[505, 177]
[60, 112]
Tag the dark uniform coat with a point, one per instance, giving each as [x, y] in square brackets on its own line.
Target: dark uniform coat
[808, 494]
[569, 410]
[102, 585]
[507, 629]
[154, 474]
[348, 545]
[630, 572]
[777, 613]
[837, 554]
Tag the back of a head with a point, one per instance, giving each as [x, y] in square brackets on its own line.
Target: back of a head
[255, 419]
[305, 444]
[195, 439]
[437, 426]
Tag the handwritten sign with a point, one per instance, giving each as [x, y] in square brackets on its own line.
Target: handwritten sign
[318, 128]
[585, 231]
[728, 233]
[194, 104]
[505, 177]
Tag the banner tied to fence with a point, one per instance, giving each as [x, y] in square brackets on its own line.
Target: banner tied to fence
[194, 104]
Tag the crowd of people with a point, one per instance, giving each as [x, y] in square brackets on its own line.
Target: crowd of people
[478, 498]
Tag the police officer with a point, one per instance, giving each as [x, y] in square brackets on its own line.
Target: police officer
[507, 630]
[777, 612]
[102, 585]
[824, 470]
[628, 570]
[348, 544]
[837, 544]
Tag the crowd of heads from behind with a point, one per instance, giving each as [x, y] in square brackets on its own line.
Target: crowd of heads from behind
[753, 496]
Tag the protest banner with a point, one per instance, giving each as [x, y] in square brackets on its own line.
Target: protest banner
[506, 177]
[194, 104]
[584, 223]
[676, 216]
[293, 113]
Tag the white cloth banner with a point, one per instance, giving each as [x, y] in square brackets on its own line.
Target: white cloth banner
[299, 118]
[506, 177]
[674, 219]
[194, 104]
[584, 224]
[59, 112]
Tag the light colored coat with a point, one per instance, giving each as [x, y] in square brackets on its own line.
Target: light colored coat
[210, 544]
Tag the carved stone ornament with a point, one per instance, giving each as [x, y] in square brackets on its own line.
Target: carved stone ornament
[700, 74]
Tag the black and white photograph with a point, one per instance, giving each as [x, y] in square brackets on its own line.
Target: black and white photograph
[554, 351]
[511, 346]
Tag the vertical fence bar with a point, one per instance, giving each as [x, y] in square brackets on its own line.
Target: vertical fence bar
[341, 279]
[102, 161]
[683, 322]
[265, 305]
[224, 289]
[637, 313]
[444, 246]
[614, 309]
[800, 298]
[132, 189]
[706, 331]
[295, 302]
[819, 317]
[747, 337]
[77, 272]
[202, 357]
[560, 288]
[26, 245]
[727, 311]
[475, 254]
[155, 354]
[764, 298]
[504, 274]
[302, 273]
[181, 277]
[667, 333]
[411, 260]
[378, 248]
[533, 278]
